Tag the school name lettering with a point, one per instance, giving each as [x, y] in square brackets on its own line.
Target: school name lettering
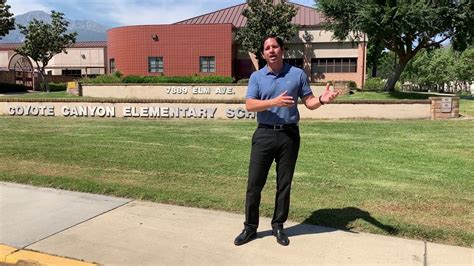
[49, 110]
[169, 112]
[127, 111]
[201, 90]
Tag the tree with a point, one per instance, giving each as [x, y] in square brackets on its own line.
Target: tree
[386, 64]
[404, 27]
[443, 70]
[264, 18]
[43, 41]
[464, 67]
[7, 23]
[374, 52]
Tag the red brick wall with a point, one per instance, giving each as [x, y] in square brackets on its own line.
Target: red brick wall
[179, 45]
[361, 64]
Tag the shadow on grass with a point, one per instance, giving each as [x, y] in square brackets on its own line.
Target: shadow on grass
[329, 220]
[467, 97]
[13, 93]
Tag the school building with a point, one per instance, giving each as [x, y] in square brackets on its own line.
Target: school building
[204, 45]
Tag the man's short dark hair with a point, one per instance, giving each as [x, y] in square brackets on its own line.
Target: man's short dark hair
[272, 36]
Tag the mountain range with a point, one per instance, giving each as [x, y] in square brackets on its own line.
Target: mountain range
[87, 30]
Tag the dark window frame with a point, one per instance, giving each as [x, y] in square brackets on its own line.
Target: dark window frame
[207, 64]
[71, 72]
[112, 65]
[334, 65]
[159, 67]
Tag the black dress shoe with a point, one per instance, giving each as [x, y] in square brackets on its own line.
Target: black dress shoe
[281, 237]
[245, 236]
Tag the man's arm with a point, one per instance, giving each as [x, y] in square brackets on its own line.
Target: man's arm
[255, 105]
[311, 102]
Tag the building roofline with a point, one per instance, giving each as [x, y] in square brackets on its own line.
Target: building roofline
[164, 25]
[306, 16]
[85, 44]
[178, 22]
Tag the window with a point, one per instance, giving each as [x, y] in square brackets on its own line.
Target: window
[297, 62]
[112, 65]
[334, 65]
[71, 72]
[207, 63]
[155, 64]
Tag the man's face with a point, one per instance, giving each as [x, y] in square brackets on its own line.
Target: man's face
[272, 52]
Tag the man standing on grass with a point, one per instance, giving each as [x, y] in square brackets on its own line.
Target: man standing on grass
[273, 92]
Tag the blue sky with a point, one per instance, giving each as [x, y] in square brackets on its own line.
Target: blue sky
[128, 12]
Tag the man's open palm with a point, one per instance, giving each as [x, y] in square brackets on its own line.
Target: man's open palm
[328, 96]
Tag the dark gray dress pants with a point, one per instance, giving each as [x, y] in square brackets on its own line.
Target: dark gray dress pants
[270, 145]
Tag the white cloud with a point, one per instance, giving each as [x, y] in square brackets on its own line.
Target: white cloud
[126, 14]
[19, 7]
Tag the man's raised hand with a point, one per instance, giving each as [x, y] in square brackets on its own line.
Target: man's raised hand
[328, 96]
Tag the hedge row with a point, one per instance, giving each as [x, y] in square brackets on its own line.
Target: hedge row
[102, 79]
[157, 79]
[117, 78]
[186, 79]
[9, 87]
[54, 87]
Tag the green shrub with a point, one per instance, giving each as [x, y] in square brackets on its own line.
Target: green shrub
[398, 86]
[11, 87]
[177, 79]
[352, 85]
[57, 86]
[374, 84]
[117, 74]
[132, 79]
[102, 79]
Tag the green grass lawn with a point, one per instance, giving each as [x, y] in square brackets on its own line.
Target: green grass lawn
[466, 106]
[412, 179]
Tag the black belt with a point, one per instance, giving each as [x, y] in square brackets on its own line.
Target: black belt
[278, 127]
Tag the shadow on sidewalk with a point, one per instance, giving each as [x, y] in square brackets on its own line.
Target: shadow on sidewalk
[328, 220]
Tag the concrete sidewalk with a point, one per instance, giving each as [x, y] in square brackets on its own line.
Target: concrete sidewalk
[108, 230]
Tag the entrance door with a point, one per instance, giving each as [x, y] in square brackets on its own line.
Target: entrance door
[23, 70]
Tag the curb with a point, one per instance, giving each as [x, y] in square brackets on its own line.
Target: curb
[10, 256]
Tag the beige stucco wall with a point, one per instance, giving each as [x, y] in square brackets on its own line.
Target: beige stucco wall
[91, 59]
[317, 43]
[4, 59]
[77, 57]
[314, 35]
[334, 50]
[174, 92]
[322, 50]
[166, 92]
[322, 46]
[207, 111]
